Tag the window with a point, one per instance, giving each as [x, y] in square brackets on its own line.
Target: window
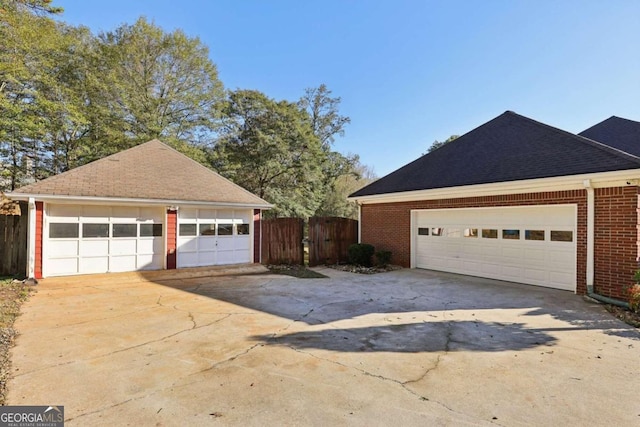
[95, 230]
[63, 230]
[534, 234]
[562, 236]
[470, 232]
[150, 230]
[437, 231]
[511, 234]
[225, 229]
[489, 233]
[207, 229]
[187, 229]
[242, 229]
[423, 231]
[124, 230]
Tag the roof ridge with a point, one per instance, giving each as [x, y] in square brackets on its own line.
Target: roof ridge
[583, 139]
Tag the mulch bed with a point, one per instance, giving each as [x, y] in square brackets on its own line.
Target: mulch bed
[364, 270]
[299, 271]
[625, 315]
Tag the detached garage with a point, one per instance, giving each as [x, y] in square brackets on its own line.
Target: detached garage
[517, 200]
[146, 208]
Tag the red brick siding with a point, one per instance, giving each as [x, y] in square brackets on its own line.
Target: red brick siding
[257, 224]
[39, 234]
[388, 226]
[616, 251]
[172, 238]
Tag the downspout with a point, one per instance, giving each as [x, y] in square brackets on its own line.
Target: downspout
[591, 231]
[359, 222]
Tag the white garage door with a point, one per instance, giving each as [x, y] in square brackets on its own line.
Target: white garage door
[101, 239]
[533, 245]
[213, 237]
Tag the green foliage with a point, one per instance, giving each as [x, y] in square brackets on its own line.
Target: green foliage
[437, 144]
[633, 294]
[360, 254]
[269, 148]
[383, 258]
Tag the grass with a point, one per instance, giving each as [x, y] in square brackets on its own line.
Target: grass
[12, 295]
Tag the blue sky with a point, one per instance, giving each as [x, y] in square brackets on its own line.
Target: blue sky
[411, 72]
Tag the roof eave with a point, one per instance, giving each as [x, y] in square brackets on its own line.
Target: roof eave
[51, 198]
[562, 183]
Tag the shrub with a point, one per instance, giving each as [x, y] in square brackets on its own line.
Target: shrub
[383, 257]
[360, 254]
[634, 298]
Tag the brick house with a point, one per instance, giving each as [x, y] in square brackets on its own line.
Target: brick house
[517, 200]
[145, 208]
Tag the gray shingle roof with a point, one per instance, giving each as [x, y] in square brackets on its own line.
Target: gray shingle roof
[152, 171]
[510, 147]
[616, 132]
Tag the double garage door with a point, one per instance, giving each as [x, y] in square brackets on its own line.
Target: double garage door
[533, 245]
[99, 239]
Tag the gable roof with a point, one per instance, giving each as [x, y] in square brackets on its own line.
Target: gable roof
[152, 171]
[508, 148]
[616, 132]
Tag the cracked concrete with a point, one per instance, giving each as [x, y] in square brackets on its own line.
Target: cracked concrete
[406, 348]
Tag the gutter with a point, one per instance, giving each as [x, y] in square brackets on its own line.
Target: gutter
[591, 210]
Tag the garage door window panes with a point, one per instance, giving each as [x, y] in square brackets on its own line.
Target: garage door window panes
[423, 231]
[63, 231]
[124, 230]
[242, 229]
[150, 230]
[534, 234]
[437, 231]
[470, 232]
[225, 229]
[489, 233]
[95, 230]
[511, 234]
[187, 229]
[207, 229]
[561, 236]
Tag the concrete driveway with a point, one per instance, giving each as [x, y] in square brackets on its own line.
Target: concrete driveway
[409, 347]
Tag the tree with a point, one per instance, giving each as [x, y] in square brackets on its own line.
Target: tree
[161, 85]
[437, 144]
[335, 202]
[269, 148]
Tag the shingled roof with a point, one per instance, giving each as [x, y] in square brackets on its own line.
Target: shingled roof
[510, 147]
[616, 132]
[152, 171]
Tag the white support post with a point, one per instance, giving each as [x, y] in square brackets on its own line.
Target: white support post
[31, 241]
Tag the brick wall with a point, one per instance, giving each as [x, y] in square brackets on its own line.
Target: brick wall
[616, 239]
[388, 226]
[172, 238]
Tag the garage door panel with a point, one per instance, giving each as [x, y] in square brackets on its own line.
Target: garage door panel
[206, 243]
[94, 265]
[63, 266]
[241, 243]
[541, 262]
[206, 258]
[64, 213]
[123, 247]
[63, 248]
[187, 244]
[124, 213]
[96, 213]
[148, 262]
[123, 263]
[94, 248]
[150, 246]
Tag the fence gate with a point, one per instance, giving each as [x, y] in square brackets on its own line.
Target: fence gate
[329, 239]
[282, 241]
[13, 243]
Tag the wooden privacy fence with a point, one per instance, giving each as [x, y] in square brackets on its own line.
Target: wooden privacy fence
[282, 241]
[13, 243]
[329, 239]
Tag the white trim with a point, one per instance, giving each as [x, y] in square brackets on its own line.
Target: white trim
[591, 214]
[119, 201]
[359, 223]
[563, 183]
[31, 242]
